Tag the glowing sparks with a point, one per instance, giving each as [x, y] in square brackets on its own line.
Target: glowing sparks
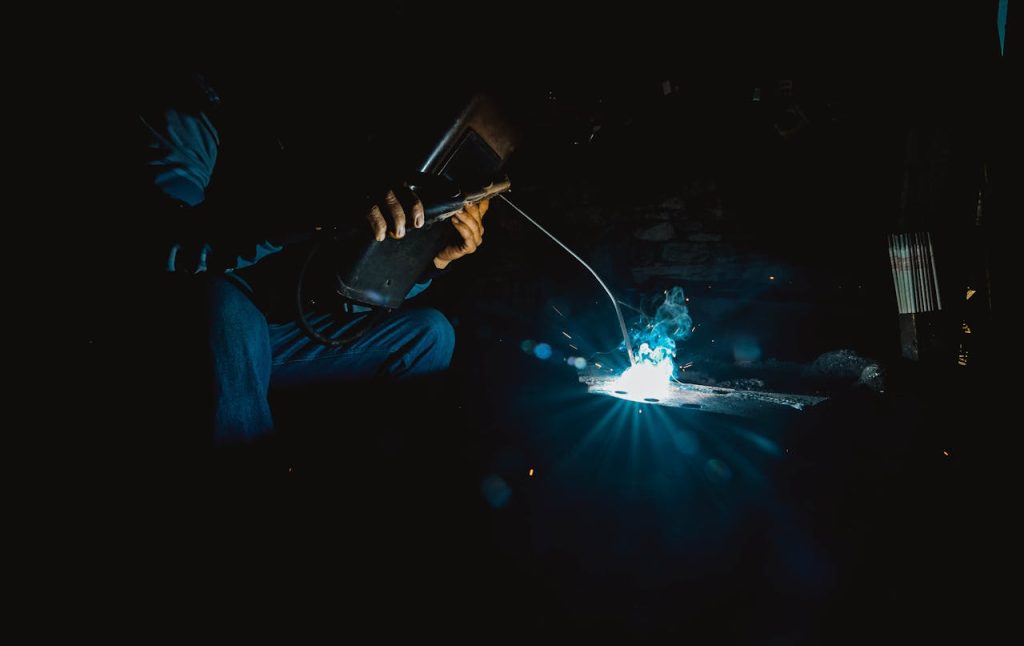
[566, 335]
[945, 453]
[971, 292]
[531, 472]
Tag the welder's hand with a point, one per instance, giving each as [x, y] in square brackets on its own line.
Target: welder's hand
[391, 214]
[469, 222]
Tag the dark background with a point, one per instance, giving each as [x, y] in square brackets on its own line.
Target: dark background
[878, 514]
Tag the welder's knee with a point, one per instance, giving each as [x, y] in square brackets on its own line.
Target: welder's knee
[435, 340]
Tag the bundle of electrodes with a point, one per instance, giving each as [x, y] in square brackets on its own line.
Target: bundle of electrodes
[913, 272]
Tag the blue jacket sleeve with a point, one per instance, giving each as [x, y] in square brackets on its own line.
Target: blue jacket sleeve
[181, 153]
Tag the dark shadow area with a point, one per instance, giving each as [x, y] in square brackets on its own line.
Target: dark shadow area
[758, 161]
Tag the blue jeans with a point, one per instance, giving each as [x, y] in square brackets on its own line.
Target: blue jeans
[251, 355]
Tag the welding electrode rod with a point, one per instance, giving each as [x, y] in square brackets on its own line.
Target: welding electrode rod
[615, 303]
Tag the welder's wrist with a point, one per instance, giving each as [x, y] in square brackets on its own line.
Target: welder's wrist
[432, 272]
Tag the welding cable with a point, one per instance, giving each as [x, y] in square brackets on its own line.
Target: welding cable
[361, 327]
[615, 302]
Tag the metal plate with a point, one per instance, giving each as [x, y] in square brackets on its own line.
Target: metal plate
[712, 399]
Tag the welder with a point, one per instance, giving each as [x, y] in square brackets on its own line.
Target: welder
[215, 232]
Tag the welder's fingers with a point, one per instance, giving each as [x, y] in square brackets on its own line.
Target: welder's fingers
[411, 204]
[482, 207]
[378, 224]
[396, 214]
[418, 215]
[467, 223]
[475, 212]
[471, 231]
[476, 220]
